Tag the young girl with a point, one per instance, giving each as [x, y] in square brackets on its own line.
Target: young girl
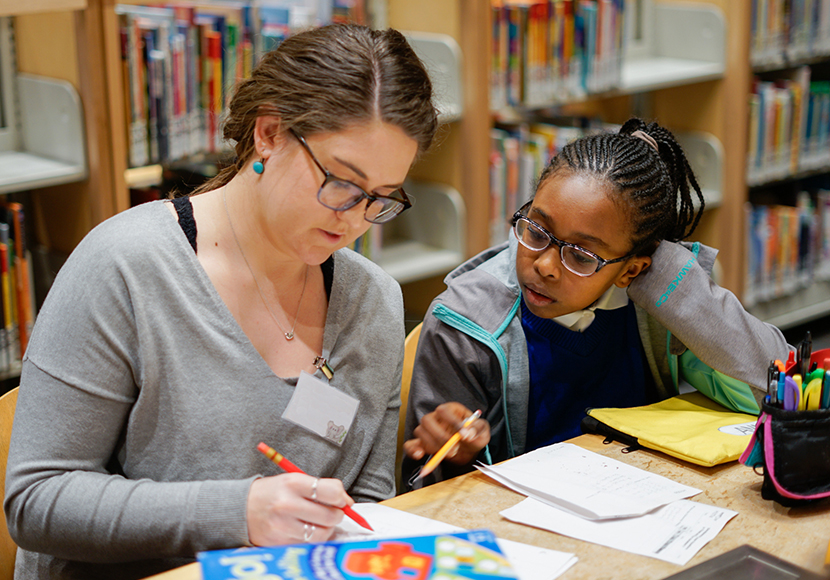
[593, 302]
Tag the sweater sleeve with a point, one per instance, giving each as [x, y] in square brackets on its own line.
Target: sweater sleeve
[709, 320]
[65, 498]
[65, 494]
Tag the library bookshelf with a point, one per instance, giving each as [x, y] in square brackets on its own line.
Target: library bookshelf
[687, 93]
[409, 251]
[788, 163]
[41, 147]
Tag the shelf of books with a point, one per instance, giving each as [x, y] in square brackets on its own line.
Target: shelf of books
[783, 32]
[545, 54]
[179, 63]
[16, 289]
[788, 163]
[520, 151]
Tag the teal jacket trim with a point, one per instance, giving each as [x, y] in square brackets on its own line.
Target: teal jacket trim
[731, 393]
[476, 332]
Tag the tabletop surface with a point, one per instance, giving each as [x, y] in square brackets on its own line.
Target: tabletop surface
[799, 535]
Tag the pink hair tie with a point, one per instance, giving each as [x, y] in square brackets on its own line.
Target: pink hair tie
[647, 138]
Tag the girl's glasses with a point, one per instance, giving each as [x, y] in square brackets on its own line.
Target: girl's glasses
[575, 258]
[340, 194]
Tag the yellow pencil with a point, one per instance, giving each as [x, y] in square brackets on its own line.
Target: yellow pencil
[827, 556]
[442, 453]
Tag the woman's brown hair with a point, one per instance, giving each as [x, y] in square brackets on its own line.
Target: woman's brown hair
[329, 78]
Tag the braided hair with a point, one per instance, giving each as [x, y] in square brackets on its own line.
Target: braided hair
[649, 173]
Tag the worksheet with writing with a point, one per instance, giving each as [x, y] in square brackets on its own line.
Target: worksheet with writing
[585, 483]
[673, 533]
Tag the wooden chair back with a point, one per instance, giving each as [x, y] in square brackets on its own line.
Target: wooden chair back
[8, 549]
[409, 349]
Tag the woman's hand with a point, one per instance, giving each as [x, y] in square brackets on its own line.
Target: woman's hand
[437, 427]
[294, 507]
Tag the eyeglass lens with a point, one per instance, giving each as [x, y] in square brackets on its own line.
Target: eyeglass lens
[574, 259]
[342, 195]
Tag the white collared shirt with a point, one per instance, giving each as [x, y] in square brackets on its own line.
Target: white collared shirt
[613, 298]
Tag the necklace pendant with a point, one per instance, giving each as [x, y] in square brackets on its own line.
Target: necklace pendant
[289, 335]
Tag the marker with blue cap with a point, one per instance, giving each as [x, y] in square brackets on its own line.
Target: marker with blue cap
[825, 391]
[782, 375]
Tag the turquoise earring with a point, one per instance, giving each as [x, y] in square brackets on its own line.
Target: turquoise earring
[259, 168]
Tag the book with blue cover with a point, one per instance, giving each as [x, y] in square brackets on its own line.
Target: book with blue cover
[472, 555]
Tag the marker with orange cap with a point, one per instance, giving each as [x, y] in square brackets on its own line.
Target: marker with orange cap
[280, 460]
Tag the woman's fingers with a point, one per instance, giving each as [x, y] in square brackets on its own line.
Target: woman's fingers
[290, 507]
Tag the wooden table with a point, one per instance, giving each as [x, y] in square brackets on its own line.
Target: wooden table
[798, 535]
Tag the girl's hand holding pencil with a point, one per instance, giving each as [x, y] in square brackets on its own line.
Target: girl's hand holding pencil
[451, 423]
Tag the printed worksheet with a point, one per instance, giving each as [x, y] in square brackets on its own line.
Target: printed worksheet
[673, 533]
[585, 483]
[529, 562]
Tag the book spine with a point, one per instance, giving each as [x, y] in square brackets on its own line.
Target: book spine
[22, 282]
[8, 331]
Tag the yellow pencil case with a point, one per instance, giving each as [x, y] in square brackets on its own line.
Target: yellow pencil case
[691, 427]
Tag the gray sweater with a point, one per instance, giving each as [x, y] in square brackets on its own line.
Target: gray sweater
[142, 402]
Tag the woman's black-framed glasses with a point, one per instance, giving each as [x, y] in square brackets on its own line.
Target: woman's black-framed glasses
[575, 258]
[341, 194]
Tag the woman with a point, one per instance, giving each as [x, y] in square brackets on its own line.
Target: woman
[172, 340]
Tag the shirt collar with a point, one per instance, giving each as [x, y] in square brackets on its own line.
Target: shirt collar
[613, 298]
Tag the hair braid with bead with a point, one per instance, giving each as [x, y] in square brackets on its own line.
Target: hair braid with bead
[655, 185]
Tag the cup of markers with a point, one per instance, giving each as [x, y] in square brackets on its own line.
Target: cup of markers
[803, 382]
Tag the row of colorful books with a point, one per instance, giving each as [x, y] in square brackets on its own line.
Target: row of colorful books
[518, 154]
[181, 61]
[548, 51]
[788, 247]
[16, 289]
[786, 31]
[370, 244]
[789, 127]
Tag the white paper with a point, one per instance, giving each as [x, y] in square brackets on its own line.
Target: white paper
[585, 483]
[529, 562]
[673, 533]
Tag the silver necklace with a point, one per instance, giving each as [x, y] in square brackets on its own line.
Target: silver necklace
[290, 334]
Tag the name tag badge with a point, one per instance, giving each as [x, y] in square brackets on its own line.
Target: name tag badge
[321, 409]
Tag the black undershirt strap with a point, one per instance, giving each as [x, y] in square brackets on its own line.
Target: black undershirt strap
[184, 209]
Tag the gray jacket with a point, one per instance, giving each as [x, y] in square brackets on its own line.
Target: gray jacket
[473, 350]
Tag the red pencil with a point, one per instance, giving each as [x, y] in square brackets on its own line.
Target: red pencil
[280, 460]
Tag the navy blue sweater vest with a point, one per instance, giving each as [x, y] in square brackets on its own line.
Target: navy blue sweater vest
[570, 371]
